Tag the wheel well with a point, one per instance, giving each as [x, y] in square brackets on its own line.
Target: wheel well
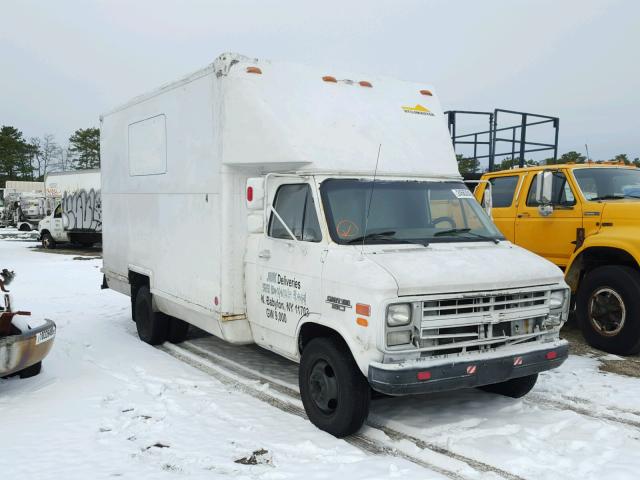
[309, 331]
[595, 257]
[44, 230]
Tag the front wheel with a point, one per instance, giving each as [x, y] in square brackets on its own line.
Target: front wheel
[48, 241]
[514, 388]
[608, 309]
[334, 392]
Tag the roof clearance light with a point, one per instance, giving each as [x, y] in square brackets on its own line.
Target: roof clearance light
[328, 78]
[254, 70]
[426, 92]
[424, 375]
[363, 309]
[249, 194]
[364, 83]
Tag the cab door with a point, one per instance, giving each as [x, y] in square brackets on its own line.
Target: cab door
[57, 229]
[504, 190]
[290, 270]
[554, 236]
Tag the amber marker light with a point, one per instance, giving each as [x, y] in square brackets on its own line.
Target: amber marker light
[363, 309]
[426, 92]
[363, 322]
[330, 79]
[254, 70]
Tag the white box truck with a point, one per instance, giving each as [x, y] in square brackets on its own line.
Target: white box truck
[22, 204]
[74, 209]
[331, 225]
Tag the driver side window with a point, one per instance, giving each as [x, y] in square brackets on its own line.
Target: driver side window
[58, 212]
[561, 196]
[294, 203]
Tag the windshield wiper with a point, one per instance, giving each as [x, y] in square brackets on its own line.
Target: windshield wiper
[609, 197]
[386, 237]
[456, 231]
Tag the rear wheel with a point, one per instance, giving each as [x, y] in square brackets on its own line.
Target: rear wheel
[514, 388]
[608, 309]
[178, 330]
[334, 392]
[48, 241]
[24, 227]
[152, 326]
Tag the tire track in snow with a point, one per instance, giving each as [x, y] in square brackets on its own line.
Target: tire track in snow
[204, 360]
[538, 399]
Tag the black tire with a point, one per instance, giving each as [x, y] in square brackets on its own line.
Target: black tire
[514, 388]
[342, 408]
[608, 309]
[31, 371]
[152, 326]
[178, 330]
[24, 228]
[48, 241]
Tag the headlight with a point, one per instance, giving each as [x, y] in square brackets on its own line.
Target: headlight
[558, 298]
[399, 314]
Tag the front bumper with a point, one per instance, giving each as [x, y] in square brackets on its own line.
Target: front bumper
[18, 352]
[471, 372]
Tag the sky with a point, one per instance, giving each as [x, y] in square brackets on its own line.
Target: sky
[66, 62]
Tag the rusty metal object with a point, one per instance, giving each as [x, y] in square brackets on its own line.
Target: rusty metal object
[20, 349]
[18, 352]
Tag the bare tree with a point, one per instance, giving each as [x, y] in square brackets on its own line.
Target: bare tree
[46, 154]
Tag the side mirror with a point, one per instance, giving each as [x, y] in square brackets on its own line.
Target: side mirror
[544, 187]
[545, 210]
[487, 200]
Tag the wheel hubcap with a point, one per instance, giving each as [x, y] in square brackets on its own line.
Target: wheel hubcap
[323, 387]
[607, 312]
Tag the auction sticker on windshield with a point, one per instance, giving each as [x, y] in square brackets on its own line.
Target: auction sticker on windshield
[462, 193]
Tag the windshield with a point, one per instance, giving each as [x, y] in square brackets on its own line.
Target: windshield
[404, 212]
[608, 183]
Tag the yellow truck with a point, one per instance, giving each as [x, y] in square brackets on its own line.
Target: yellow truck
[586, 219]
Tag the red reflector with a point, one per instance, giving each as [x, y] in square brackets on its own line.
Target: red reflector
[471, 369]
[364, 83]
[551, 355]
[215, 301]
[250, 194]
[424, 375]
[517, 361]
[426, 92]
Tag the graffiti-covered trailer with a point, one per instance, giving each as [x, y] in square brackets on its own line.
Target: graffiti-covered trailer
[74, 209]
[330, 225]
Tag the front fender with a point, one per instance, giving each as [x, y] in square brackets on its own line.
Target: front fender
[621, 239]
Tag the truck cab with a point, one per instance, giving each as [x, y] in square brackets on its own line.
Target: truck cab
[407, 276]
[51, 228]
[589, 225]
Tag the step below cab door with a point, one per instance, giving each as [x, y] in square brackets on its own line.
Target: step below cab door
[289, 268]
[552, 236]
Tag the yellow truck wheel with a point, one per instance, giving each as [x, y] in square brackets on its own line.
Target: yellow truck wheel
[608, 309]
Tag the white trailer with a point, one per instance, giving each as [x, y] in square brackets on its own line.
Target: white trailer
[330, 225]
[74, 208]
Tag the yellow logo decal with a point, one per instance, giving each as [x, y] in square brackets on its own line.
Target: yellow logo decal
[418, 110]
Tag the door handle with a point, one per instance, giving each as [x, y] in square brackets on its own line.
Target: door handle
[523, 215]
[266, 254]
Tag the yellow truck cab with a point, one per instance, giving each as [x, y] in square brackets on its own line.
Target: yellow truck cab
[588, 224]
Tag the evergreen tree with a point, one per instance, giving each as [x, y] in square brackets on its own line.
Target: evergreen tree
[84, 148]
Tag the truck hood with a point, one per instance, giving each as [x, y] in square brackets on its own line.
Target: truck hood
[450, 268]
[627, 211]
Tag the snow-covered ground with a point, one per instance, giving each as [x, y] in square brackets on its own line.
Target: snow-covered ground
[107, 405]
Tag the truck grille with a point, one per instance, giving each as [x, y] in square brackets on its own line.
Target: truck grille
[459, 323]
[460, 306]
